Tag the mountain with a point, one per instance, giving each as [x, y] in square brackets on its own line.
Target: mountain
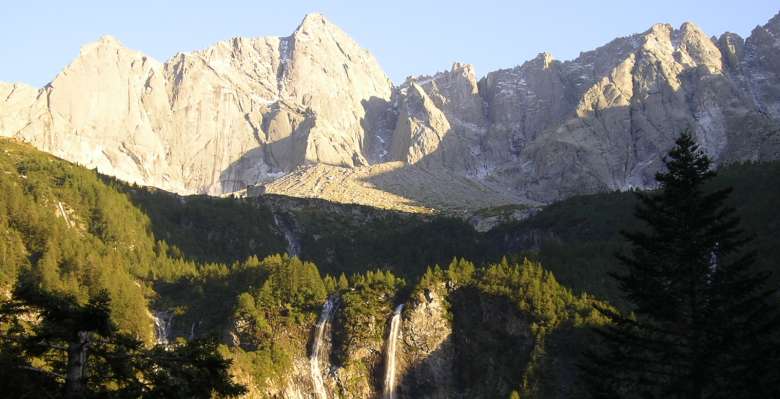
[314, 115]
[210, 121]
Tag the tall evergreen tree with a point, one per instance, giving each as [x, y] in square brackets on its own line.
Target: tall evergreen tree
[703, 325]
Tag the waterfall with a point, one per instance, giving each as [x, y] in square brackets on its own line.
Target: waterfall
[192, 331]
[314, 358]
[293, 247]
[64, 214]
[395, 327]
[163, 321]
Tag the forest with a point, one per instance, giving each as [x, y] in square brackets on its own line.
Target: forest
[97, 249]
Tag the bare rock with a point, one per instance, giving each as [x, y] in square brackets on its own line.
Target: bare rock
[249, 111]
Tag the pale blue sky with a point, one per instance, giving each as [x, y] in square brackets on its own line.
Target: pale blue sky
[38, 38]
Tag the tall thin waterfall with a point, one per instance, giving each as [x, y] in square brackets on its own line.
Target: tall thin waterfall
[293, 246]
[392, 339]
[163, 321]
[316, 349]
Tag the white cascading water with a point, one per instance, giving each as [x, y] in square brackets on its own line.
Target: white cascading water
[316, 349]
[293, 246]
[392, 339]
[192, 332]
[163, 321]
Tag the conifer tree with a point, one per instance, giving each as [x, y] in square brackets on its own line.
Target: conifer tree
[343, 283]
[703, 324]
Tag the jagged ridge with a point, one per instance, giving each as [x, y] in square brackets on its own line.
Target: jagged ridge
[251, 110]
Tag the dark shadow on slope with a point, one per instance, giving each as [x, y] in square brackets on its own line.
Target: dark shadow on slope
[490, 353]
[356, 238]
[232, 179]
[559, 370]
[431, 377]
[204, 306]
[278, 156]
[608, 149]
[493, 343]
[485, 356]
[209, 229]
[378, 123]
[339, 238]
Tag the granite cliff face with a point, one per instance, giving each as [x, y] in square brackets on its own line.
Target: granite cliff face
[251, 110]
[549, 129]
[211, 121]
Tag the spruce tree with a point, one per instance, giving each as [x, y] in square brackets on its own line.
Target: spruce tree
[703, 325]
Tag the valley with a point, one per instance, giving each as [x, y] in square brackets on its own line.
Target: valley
[273, 217]
[205, 266]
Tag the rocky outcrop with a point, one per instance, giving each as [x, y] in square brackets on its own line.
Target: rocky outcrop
[252, 110]
[460, 343]
[104, 110]
[428, 350]
[759, 65]
[441, 121]
[603, 121]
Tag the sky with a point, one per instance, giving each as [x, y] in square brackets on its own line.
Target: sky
[39, 38]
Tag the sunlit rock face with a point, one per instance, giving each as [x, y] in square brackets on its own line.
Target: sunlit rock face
[211, 121]
[251, 110]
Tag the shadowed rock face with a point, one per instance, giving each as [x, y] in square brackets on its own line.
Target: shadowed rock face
[461, 344]
[550, 129]
[250, 110]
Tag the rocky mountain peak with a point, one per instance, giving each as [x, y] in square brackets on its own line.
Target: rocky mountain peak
[761, 66]
[732, 47]
[690, 33]
[105, 42]
[543, 60]
[660, 29]
[315, 27]
[109, 40]
[463, 68]
[689, 27]
[767, 34]
[251, 110]
[773, 25]
[313, 22]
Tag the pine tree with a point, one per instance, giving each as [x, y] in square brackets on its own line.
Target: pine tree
[703, 323]
[343, 283]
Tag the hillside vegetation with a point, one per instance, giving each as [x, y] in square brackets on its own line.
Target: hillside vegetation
[214, 264]
[577, 238]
